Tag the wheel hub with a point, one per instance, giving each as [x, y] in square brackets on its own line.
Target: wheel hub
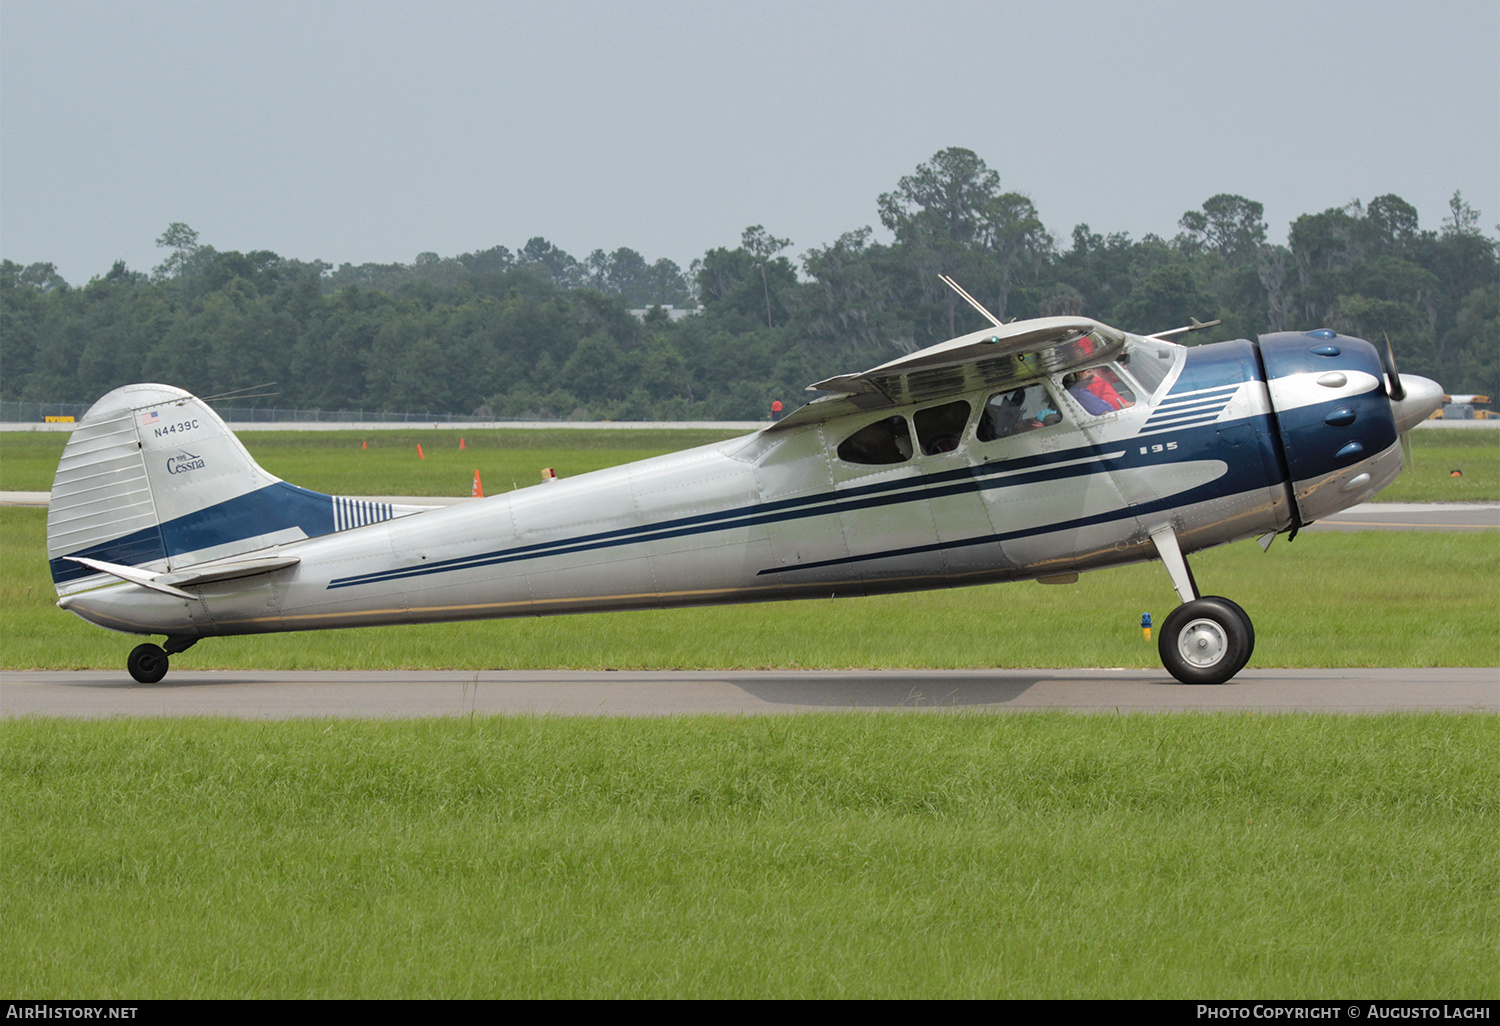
[1202, 643]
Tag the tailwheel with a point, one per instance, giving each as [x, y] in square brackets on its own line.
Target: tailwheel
[147, 663]
[1206, 641]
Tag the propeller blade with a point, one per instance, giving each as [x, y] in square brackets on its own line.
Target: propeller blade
[1388, 361]
[1408, 456]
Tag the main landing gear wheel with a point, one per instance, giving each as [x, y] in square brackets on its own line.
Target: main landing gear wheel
[1206, 641]
[147, 663]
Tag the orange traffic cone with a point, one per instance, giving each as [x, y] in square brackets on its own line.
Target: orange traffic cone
[478, 492]
[460, 445]
[420, 456]
[364, 445]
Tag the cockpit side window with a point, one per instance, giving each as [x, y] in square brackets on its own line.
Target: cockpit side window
[941, 428]
[885, 441]
[1017, 411]
[1099, 390]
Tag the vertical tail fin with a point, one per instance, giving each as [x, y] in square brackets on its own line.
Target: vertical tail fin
[152, 478]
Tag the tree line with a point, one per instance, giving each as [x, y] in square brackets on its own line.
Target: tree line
[537, 334]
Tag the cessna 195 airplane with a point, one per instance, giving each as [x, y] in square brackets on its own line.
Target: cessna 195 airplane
[1031, 450]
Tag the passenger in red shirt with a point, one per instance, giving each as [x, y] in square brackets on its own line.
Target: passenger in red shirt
[1101, 383]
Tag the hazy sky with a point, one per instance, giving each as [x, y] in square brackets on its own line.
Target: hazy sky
[367, 131]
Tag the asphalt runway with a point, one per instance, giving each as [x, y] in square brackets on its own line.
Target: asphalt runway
[1413, 516]
[258, 695]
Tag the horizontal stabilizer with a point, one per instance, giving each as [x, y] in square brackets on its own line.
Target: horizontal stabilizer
[173, 583]
[211, 572]
[145, 578]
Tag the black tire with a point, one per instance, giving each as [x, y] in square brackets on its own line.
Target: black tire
[1245, 619]
[1206, 641]
[147, 663]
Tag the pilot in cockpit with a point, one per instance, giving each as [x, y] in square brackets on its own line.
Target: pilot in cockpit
[1005, 419]
[1017, 411]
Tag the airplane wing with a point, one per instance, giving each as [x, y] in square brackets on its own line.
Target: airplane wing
[991, 358]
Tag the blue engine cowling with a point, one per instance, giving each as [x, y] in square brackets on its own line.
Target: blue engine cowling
[1334, 417]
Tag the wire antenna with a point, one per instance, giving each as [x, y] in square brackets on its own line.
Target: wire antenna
[248, 392]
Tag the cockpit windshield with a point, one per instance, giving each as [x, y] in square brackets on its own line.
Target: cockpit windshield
[1148, 362]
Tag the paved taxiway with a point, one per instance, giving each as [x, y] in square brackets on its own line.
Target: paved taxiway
[248, 694]
[1413, 516]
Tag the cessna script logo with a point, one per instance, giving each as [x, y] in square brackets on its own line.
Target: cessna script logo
[184, 463]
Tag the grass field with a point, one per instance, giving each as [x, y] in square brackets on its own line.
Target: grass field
[838, 855]
[334, 462]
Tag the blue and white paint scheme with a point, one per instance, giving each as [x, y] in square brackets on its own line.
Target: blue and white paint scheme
[977, 460]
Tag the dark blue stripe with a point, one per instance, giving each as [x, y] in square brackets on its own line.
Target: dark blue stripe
[1128, 513]
[976, 479]
[275, 507]
[1198, 444]
[1212, 490]
[748, 515]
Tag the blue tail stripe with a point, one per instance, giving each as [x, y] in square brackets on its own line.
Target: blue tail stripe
[142, 546]
[275, 507]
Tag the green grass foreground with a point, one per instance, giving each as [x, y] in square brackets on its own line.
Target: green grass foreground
[1358, 599]
[334, 462]
[833, 855]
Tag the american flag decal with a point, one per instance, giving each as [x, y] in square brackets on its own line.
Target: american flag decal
[150, 418]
